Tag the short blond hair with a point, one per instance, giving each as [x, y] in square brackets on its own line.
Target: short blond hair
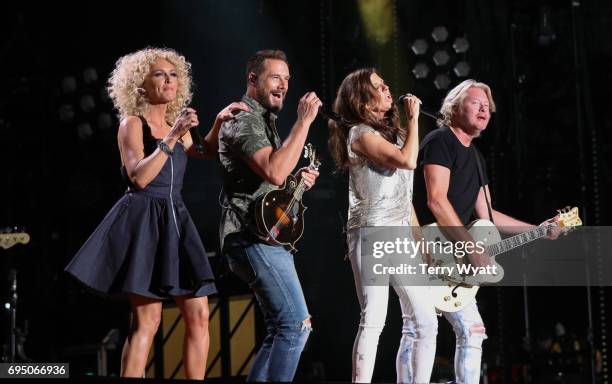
[455, 97]
[129, 75]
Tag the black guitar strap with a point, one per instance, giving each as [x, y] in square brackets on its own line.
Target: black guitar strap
[481, 180]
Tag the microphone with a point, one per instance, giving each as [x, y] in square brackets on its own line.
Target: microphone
[436, 116]
[400, 100]
[197, 139]
[330, 115]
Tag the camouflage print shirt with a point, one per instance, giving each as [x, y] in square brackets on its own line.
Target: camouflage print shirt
[239, 139]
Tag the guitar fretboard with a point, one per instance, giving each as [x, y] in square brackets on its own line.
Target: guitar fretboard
[301, 187]
[516, 241]
[299, 190]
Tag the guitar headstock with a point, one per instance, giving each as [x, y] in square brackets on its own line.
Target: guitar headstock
[311, 154]
[568, 219]
[7, 240]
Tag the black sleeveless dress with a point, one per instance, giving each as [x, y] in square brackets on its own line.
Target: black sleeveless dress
[147, 244]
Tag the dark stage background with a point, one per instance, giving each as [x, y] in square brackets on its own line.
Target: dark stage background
[548, 146]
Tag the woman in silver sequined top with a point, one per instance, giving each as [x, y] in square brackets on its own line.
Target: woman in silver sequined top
[380, 156]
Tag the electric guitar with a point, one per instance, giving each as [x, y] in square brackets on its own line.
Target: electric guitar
[13, 348]
[279, 214]
[7, 240]
[459, 290]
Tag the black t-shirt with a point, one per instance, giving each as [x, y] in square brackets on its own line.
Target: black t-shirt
[442, 147]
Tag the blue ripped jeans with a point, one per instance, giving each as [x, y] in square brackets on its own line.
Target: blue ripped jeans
[270, 273]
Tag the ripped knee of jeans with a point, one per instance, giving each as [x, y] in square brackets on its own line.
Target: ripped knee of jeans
[476, 335]
[472, 336]
[306, 324]
[477, 329]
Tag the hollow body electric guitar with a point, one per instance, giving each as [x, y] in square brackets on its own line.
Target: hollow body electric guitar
[279, 214]
[459, 291]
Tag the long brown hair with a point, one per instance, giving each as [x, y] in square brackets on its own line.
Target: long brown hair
[354, 95]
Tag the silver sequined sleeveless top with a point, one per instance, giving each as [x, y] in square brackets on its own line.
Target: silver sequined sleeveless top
[378, 196]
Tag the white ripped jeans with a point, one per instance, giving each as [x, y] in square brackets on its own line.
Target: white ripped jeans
[469, 333]
[415, 356]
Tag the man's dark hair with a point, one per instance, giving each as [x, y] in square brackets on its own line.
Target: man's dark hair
[256, 62]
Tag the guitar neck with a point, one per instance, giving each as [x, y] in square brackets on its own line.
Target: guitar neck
[516, 240]
[301, 187]
[299, 190]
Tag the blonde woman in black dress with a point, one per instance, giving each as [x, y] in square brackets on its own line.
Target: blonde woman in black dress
[147, 246]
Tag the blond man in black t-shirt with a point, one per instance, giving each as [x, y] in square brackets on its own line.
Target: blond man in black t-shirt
[455, 193]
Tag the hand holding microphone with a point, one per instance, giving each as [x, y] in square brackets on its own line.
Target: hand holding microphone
[412, 105]
[409, 101]
[403, 99]
[405, 96]
[186, 120]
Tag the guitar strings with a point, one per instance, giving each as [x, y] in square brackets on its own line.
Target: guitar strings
[289, 207]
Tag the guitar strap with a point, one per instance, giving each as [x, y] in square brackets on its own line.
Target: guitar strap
[481, 181]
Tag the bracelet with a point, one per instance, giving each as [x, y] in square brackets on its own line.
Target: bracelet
[165, 148]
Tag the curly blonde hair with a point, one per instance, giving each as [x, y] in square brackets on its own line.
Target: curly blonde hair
[129, 75]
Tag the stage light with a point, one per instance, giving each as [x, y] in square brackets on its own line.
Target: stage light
[419, 46]
[461, 45]
[441, 57]
[448, 63]
[66, 113]
[377, 18]
[462, 69]
[420, 70]
[90, 75]
[87, 103]
[441, 81]
[84, 131]
[84, 105]
[439, 34]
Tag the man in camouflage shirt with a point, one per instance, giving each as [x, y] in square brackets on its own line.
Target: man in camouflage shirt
[255, 161]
